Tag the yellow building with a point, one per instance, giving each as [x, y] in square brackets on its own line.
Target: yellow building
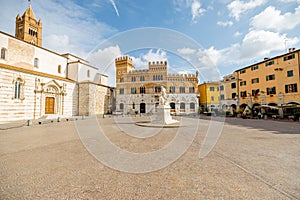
[272, 82]
[209, 96]
[138, 91]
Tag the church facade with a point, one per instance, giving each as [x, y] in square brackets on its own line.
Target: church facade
[39, 83]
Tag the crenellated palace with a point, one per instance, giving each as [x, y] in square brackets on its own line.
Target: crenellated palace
[137, 91]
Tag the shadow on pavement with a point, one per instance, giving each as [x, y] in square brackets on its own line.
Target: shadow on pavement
[277, 127]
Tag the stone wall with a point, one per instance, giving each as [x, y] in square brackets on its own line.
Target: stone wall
[94, 99]
[31, 104]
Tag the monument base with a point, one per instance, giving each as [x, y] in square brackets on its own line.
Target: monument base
[161, 119]
[163, 116]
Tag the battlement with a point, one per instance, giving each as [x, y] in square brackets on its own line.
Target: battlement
[158, 65]
[183, 75]
[124, 58]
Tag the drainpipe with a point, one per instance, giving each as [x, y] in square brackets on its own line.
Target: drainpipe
[238, 91]
[206, 96]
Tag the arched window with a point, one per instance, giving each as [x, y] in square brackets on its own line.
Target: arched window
[3, 53]
[182, 107]
[36, 63]
[142, 90]
[133, 90]
[88, 73]
[59, 69]
[192, 107]
[18, 89]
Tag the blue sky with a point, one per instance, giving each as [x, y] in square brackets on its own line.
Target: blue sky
[229, 34]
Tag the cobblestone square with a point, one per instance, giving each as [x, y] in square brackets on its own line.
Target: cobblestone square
[253, 159]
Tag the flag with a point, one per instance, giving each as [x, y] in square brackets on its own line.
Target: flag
[260, 93]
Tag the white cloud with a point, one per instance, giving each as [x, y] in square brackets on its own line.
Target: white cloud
[204, 60]
[67, 26]
[256, 45]
[143, 59]
[209, 57]
[185, 51]
[68, 18]
[196, 10]
[279, 22]
[238, 7]
[60, 42]
[290, 1]
[224, 24]
[195, 7]
[237, 34]
[104, 60]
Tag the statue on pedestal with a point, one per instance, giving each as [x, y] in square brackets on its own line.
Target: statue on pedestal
[163, 96]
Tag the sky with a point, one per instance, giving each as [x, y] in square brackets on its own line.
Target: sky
[214, 37]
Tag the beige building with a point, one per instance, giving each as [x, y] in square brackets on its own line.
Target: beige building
[36, 82]
[138, 91]
[229, 92]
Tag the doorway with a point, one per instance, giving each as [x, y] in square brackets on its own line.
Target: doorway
[142, 108]
[172, 105]
[49, 105]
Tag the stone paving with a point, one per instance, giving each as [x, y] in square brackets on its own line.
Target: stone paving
[49, 161]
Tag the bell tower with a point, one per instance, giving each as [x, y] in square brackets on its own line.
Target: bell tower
[123, 66]
[28, 28]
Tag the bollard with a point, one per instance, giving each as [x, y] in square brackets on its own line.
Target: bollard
[58, 119]
[29, 122]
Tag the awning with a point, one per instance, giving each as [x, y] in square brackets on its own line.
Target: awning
[271, 107]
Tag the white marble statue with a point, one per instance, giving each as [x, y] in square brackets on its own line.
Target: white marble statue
[163, 96]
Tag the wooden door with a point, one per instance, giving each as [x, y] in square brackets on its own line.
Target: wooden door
[49, 106]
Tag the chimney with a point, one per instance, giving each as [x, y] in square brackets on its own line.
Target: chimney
[291, 50]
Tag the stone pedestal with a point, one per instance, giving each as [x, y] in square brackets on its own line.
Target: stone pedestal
[163, 116]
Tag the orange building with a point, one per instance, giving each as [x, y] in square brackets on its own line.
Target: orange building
[271, 82]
